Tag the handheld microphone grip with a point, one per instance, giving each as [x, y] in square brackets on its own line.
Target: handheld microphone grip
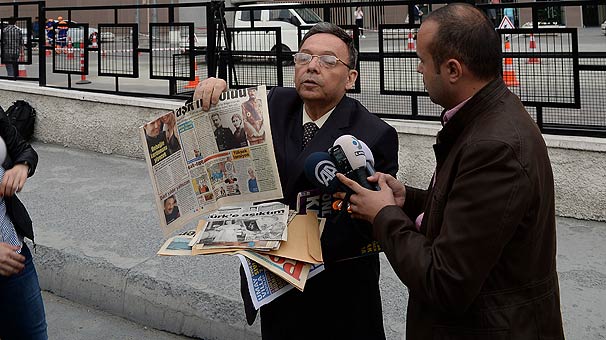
[359, 175]
[370, 159]
[370, 162]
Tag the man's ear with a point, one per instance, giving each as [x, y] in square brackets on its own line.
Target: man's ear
[454, 70]
[352, 75]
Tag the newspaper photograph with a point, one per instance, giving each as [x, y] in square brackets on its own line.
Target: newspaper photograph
[200, 160]
[178, 245]
[260, 227]
[265, 286]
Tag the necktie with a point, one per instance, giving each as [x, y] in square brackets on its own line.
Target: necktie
[309, 130]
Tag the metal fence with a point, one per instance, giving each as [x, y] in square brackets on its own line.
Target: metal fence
[556, 70]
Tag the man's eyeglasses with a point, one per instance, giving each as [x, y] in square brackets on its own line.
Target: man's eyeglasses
[328, 61]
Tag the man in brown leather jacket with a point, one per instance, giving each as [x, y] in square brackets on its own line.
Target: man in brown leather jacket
[477, 249]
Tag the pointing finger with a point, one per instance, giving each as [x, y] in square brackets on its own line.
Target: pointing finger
[349, 183]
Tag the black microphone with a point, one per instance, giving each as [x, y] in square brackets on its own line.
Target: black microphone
[352, 150]
[321, 171]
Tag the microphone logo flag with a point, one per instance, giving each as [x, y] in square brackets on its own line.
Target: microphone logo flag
[325, 172]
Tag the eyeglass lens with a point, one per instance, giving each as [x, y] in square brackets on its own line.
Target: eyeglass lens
[325, 60]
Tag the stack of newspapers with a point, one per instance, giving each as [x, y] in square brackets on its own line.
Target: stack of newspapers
[278, 249]
[210, 167]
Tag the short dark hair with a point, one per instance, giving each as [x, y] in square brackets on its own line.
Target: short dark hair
[330, 28]
[466, 34]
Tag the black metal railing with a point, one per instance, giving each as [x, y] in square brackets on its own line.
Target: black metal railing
[164, 50]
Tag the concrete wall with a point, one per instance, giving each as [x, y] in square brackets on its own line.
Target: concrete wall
[90, 121]
[579, 167]
[109, 124]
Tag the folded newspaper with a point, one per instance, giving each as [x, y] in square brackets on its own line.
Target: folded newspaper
[199, 161]
[265, 286]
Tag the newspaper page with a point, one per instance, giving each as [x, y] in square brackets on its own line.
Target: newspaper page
[265, 286]
[293, 271]
[201, 160]
[260, 227]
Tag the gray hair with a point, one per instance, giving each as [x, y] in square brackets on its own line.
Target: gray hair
[330, 28]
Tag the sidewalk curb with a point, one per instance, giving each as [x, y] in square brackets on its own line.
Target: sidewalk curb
[139, 297]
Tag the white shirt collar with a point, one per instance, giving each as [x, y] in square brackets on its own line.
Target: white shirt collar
[318, 122]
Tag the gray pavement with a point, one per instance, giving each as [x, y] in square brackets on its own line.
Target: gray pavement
[97, 234]
[68, 320]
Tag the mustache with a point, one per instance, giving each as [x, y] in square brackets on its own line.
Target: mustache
[310, 79]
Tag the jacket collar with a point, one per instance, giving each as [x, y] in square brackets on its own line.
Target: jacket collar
[475, 107]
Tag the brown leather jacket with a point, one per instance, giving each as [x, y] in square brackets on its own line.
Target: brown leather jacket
[483, 264]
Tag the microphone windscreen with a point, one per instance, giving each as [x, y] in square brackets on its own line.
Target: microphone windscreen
[321, 171]
[369, 157]
[353, 150]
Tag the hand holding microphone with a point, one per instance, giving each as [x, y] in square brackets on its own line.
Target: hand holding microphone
[351, 159]
[348, 156]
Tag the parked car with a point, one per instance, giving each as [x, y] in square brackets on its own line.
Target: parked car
[287, 19]
[604, 27]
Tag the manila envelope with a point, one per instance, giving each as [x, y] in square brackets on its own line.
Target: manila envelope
[303, 240]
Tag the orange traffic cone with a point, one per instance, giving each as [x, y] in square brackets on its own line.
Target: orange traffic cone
[193, 83]
[411, 42]
[509, 75]
[47, 47]
[70, 48]
[83, 79]
[22, 71]
[532, 47]
[94, 43]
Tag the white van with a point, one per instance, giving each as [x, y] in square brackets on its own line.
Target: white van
[287, 19]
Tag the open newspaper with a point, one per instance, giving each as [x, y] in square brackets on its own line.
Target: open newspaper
[201, 160]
